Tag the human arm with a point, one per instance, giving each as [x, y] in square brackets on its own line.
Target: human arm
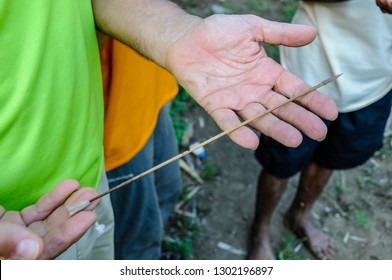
[221, 63]
[385, 6]
[45, 230]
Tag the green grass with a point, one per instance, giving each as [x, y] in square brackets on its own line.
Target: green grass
[256, 7]
[360, 216]
[362, 219]
[289, 9]
[209, 170]
[386, 151]
[180, 105]
[339, 190]
[181, 234]
[287, 252]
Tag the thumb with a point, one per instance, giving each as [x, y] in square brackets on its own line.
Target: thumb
[287, 34]
[18, 242]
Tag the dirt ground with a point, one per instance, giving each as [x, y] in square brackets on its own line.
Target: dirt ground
[354, 209]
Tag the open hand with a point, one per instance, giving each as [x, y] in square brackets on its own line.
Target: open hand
[223, 65]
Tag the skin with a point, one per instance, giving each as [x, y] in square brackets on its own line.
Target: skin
[385, 6]
[45, 230]
[269, 191]
[221, 63]
[312, 182]
[297, 218]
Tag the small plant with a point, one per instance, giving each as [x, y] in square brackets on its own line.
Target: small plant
[360, 216]
[184, 193]
[383, 154]
[339, 191]
[362, 219]
[179, 106]
[209, 170]
[364, 180]
[386, 151]
[181, 233]
[290, 249]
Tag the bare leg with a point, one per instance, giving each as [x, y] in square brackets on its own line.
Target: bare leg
[269, 192]
[312, 182]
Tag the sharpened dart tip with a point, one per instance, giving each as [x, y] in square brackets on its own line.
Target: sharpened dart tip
[77, 207]
[332, 78]
[337, 76]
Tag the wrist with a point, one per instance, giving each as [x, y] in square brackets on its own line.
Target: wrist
[172, 35]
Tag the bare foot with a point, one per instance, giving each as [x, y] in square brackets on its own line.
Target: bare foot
[318, 243]
[260, 246]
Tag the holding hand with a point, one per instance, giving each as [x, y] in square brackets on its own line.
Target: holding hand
[45, 230]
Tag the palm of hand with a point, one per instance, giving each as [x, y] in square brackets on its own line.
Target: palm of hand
[229, 74]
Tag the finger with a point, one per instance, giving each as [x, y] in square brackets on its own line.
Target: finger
[65, 230]
[13, 217]
[17, 242]
[272, 126]
[227, 119]
[295, 115]
[292, 113]
[49, 202]
[60, 216]
[277, 33]
[60, 238]
[85, 193]
[290, 85]
[60, 230]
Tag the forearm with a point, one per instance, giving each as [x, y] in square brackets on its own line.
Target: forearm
[148, 26]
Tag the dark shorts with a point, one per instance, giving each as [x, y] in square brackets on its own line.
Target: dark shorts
[351, 140]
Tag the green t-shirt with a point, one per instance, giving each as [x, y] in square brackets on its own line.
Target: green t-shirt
[51, 105]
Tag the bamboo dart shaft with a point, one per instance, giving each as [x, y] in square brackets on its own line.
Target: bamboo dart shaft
[75, 208]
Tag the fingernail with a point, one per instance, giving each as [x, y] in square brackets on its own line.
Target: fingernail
[27, 249]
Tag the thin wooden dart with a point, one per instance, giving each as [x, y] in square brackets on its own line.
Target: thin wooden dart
[79, 206]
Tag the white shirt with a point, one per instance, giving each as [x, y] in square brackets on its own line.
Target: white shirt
[354, 38]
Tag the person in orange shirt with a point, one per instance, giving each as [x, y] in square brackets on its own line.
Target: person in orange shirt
[138, 135]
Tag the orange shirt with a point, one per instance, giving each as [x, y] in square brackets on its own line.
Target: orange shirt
[135, 91]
